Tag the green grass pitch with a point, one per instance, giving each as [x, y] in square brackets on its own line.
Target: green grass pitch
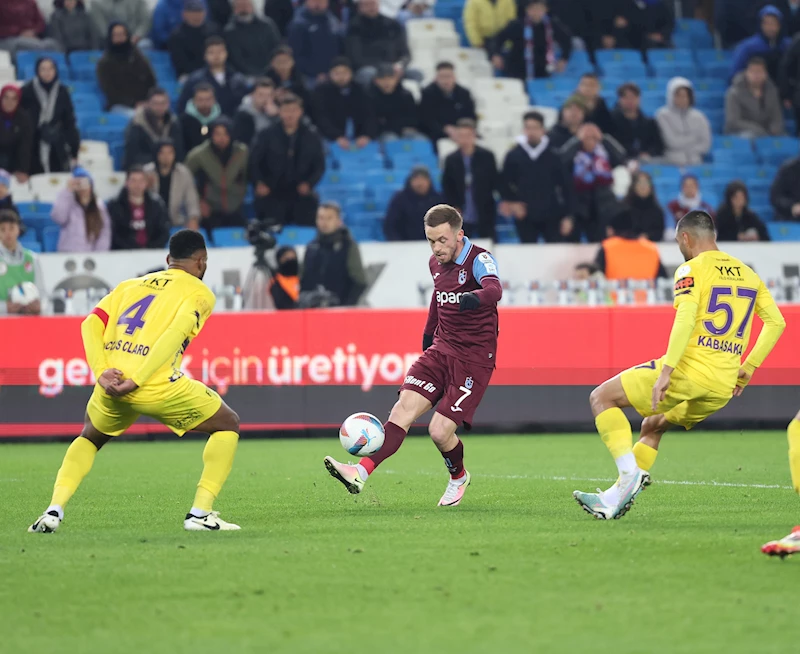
[517, 568]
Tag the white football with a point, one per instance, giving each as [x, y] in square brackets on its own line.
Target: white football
[23, 293]
[361, 434]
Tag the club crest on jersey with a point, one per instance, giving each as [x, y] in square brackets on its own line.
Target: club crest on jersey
[462, 276]
[468, 383]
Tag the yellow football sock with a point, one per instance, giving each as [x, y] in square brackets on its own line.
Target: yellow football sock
[217, 463]
[77, 463]
[615, 430]
[794, 452]
[645, 455]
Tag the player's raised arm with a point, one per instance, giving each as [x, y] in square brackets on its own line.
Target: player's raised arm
[774, 324]
[431, 323]
[485, 272]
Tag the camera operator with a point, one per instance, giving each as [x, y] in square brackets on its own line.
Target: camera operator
[284, 287]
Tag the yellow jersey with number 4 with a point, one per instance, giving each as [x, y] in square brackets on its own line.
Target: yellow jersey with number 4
[727, 294]
[171, 306]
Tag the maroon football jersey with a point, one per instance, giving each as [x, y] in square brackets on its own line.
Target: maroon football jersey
[472, 335]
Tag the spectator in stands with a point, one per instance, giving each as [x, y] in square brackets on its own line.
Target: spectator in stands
[281, 12]
[19, 265]
[403, 220]
[343, 109]
[638, 134]
[790, 9]
[735, 220]
[577, 16]
[287, 162]
[753, 104]
[315, 35]
[596, 108]
[220, 168]
[187, 43]
[219, 11]
[689, 199]
[124, 75]
[201, 111]
[167, 16]
[135, 14]
[284, 286]
[785, 191]
[333, 260]
[470, 180]
[139, 219]
[49, 106]
[637, 24]
[373, 39]
[623, 255]
[257, 112]
[646, 212]
[229, 86]
[685, 130]
[23, 28]
[251, 40]
[287, 78]
[396, 112]
[16, 134]
[174, 183]
[73, 27]
[6, 201]
[83, 217]
[534, 188]
[591, 158]
[526, 47]
[734, 19]
[483, 19]
[152, 123]
[443, 103]
[768, 44]
[573, 115]
[790, 80]
[415, 9]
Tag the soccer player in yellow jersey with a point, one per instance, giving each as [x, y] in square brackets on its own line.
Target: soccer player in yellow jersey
[789, 544]
[134, 341]
[715, 298]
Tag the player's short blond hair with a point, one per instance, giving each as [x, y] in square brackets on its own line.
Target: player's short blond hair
[441, 214]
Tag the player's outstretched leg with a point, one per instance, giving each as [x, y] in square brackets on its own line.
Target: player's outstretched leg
[217, 463]
[407, 409]
[443, 433]
[791, 543]
[76, 465]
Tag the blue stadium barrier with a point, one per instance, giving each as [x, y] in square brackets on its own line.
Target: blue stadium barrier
[293, 235]
[50, 238]
[784, 231]
[229, 237]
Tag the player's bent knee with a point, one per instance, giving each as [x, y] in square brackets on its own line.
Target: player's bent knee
[655, 425]
[598, 399]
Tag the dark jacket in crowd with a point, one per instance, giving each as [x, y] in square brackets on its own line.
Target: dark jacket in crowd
[394, 112]
[279, 160]
[250, 44]
[335, 107]
[644, 18]
[295, 84]
[510, 43]
[785, 192]
[229, 95]
[484, 181]
[791, 19]
[437, 110]
[124, 74]
[187, 47]
[576, 15]
[315, 39]
[601, 116]
[559, 135]
[648, 216]
[790, 74]
[638, 136]
[219, 11]
[144, 133]
[280, 11]
[729, 226]
[405, 212]
[333, 261]
[74, 30]
[156, 216]
[16, 141]
[248, 122]
[375, 41]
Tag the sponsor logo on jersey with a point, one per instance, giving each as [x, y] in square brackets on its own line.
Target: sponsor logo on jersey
[462, 276]
[435, 275]
[729, 271]
[684, 283]
[683, 271]
[426, 386]
[443, 297]
[488, 263]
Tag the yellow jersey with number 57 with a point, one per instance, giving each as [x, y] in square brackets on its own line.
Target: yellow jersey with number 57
[727, 293]
[138, 312]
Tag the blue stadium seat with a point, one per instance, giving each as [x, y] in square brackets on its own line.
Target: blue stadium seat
[784, 231]
[368, 154]
[706, 85]
[293, 235]
[756, 176]
[709, 100]
[714, 63]
[35, 216]
[83, 64]
[86, 102]
[618, 57]
[764, 211]
[31, 241]
[408, 147]
[341, 193]
[669, 56]
[377, 178]
[202, 230]
[26, 63]
[775, 150]
[676, 68]
[229, 237]
[657, 172]
[50, 238]
[341, 176]
[84, 87]
[157, 57]
[733, 149]
[716, 117]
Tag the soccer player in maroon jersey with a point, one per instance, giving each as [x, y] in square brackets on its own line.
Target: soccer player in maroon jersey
[459, 350]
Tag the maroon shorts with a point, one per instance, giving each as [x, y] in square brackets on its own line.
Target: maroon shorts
[457, 386]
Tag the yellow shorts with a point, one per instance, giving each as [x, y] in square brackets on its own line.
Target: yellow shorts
[686, 403]
[179, 405]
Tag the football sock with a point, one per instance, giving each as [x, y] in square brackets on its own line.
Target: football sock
[217, 463]
[454, 460]
[392, 442]
[76, 465]
[794, 452]
[615, 430]
[645, 455]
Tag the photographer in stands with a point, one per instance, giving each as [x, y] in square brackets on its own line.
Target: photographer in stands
[284, 287]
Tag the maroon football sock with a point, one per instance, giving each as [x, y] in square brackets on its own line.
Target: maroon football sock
[394, 439]
[454, 460]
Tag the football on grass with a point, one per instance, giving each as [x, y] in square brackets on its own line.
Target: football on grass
[361, 434]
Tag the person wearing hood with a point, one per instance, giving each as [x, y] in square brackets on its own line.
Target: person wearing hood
[646, 212]
[187, 43]
[753, 104]
[768, 44]
[152, 123]
[333, 261]
[637, 133]
[258, 111]
[6, 201]
[343, 109]
[49, 105]
[470, 180]
[689, 199]
[373, 39]
[174, 183]
[124, 75]
[220, 167]
[201, 111]
[284, 286]
[735, 220]
[135, 14]
[73, 27]
[685, 130]
[396, 111]
[229, 86]
[139, 219]
[534, 188]
[572, 116]
[23, 28]
[251, 40]
[315, 35]
[167, 16]
[286, 76]
[16, 134]
[408, 206]
[287, 162]
[82, 216]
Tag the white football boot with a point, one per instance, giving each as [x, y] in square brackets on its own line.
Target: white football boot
[47, 523]
[455, 490]
[211, 522]
[345, 473]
